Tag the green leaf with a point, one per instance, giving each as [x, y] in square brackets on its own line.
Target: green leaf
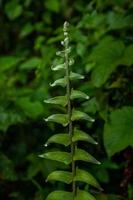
[107, 56]
[127, 58]
[61, 138]
[30, 108]
[58, 118]
[86, 177]
[63, 176]
[60, 100]
[7, 171]
[58, 67]
[83, 195]
[59, 82]
[119, 21]
[62, 81]
[13, 10]
[118, 131]
[31, 63]
[59, 156]
[9, 118]
[75, 76]
[60, 195]
[92, 106]
[75, 94]
[26, 30]
[8, 62]
[78, 115]
[52, 5]
[82, 155]
[82, 136]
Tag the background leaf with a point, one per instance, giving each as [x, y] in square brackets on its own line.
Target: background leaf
[13, 9]
[118, 131]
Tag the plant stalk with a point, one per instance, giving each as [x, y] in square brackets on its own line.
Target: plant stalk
[69, 111]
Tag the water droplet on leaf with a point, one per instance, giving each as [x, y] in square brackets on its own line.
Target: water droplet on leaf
[62, 43]
[46, 145]
[87, 97]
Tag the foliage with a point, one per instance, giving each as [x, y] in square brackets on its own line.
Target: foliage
[68, 120]
[102, 45]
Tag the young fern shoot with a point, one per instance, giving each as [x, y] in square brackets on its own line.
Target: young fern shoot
[72, 136]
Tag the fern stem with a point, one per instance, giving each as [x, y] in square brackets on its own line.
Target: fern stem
[69, 108]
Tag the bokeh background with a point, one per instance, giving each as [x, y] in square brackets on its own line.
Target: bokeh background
[102, 46]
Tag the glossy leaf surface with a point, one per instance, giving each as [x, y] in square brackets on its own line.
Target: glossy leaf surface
[86, 177]
[59, 82]
[83, 155]
[83, 195]
[60, 195]
[78, 115]
[58, 118]
[76, 94]
[82, 136]
[59, 156]
[58, 67]
[76, 76]
[63, 176]
[61, 138]
[60, 100]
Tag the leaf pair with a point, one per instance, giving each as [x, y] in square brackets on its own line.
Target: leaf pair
[62, 100]
[62, 81]
[65, 139]
[81, 176]
[63, 118]
[66, 158]
[59, 195]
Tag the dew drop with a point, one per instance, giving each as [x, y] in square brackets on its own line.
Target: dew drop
[62, 43]
[96, 143]
[87, 97]
[46, 145]
[92, 120]
[99, 163]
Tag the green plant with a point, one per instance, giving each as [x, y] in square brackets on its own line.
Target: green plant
[73, 135]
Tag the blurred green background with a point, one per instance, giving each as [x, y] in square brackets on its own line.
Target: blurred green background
[102, 43]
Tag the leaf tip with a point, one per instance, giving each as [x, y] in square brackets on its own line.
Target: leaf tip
[46, 119]
[52, 84]
[96, 143]
[40, 156]
[99, 163]
[82, 77]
